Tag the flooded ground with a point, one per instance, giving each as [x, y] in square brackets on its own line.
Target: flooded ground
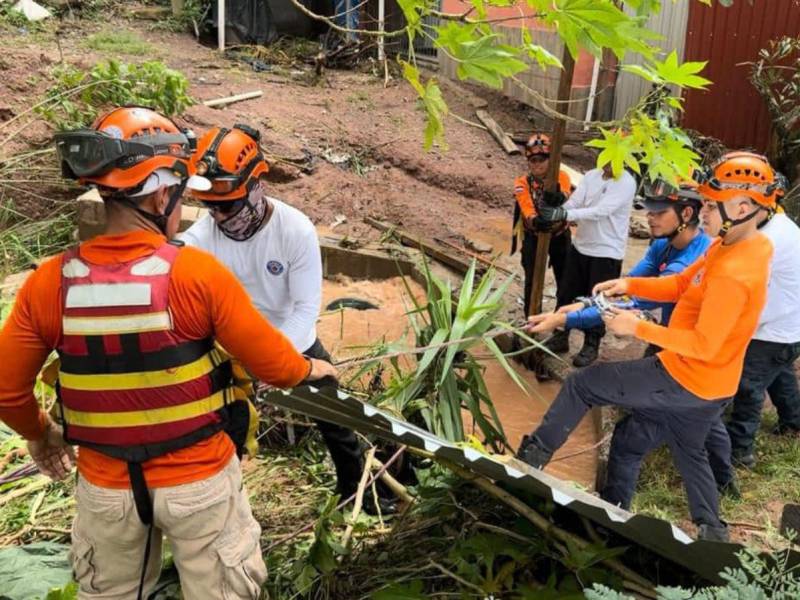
[347, 332]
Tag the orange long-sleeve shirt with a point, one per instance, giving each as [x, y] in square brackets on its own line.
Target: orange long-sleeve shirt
[205, 300]
[719, 301]
[524, 194]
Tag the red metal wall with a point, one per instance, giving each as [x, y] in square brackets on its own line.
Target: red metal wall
[731, 110]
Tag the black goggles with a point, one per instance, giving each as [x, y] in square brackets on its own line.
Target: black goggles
[538, 158]
[91, 153]
[224, 207]
[660, 190]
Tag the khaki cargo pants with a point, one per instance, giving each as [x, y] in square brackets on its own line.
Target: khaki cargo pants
[209, 525]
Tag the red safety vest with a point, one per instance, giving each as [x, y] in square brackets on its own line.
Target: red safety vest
[130, 386]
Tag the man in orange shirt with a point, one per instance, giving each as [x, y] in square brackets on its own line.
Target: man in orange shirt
[143, 391]
[529, 192]
[677, 396]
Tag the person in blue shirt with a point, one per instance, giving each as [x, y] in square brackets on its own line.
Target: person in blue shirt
[673, 215]
[673, 218]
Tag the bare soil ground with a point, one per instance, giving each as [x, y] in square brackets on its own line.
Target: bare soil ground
[375, 129]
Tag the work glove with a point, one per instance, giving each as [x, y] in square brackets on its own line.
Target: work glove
[552, 214]
[556, 198]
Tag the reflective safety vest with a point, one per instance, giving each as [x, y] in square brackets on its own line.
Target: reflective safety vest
[129, 385]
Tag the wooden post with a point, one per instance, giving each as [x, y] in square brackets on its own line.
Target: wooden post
[551, 180]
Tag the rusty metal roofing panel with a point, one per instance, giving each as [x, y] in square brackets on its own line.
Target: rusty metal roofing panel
[731, 109]
[704, 558]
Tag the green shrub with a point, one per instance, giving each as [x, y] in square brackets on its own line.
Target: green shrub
[78, 96]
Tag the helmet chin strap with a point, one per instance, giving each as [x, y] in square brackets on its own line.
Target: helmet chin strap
[682, 225]
[727, 222]
[160, 221]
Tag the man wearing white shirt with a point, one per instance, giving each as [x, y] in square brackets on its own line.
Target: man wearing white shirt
[770, 357]
[274, 251]
[601, 206]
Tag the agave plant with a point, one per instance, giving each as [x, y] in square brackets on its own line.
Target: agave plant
[446, 378]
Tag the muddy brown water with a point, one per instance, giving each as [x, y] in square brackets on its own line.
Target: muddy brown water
[346, 333]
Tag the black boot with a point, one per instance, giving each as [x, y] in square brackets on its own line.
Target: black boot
[533, 454]
[588, 353]
[744, 459]
[713, 534]
[388, 506]
[730, 489]
[558, 343]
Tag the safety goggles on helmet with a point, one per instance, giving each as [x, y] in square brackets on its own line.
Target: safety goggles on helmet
[222, 181]
[722, 190]
[706, 177]
[537, 144]
[91, 153]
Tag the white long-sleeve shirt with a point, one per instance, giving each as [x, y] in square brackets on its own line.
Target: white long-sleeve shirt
[602, 210]
[780, 319]
[280, 266]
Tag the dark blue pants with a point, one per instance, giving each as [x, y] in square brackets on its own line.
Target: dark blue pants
[674, 416]
[343, 445]
[768, 367]
[635, 436]
[559, 247]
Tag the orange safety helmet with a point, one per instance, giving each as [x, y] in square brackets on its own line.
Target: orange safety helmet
[740, 174]
[538, 143]
[232, 160]
[123, 148]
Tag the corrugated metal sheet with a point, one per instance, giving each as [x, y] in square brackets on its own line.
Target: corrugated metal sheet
[541, 81]
[669, 23]
[704, 558]
[731, 110]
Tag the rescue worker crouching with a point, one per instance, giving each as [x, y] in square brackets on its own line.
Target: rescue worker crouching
[143, 392]
[274, 250]
[529, 194]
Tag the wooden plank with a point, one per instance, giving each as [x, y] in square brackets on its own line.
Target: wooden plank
[502, 138]
[477, 257]
[223, 102]
[415, 241]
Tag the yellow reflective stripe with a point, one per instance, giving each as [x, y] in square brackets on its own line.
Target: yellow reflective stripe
[143, 379]
[117, 325]
[156, 416]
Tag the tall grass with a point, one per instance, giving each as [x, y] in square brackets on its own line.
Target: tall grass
[24, 240]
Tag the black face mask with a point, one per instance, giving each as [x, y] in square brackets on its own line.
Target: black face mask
[244, 224]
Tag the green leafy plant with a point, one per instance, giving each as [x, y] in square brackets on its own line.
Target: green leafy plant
[446, 378]
[758, 578]
[776, 77]
[68, 592]
[78, 96]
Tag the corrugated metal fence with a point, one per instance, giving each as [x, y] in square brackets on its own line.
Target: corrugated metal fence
[670, 23]
[731, 110]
